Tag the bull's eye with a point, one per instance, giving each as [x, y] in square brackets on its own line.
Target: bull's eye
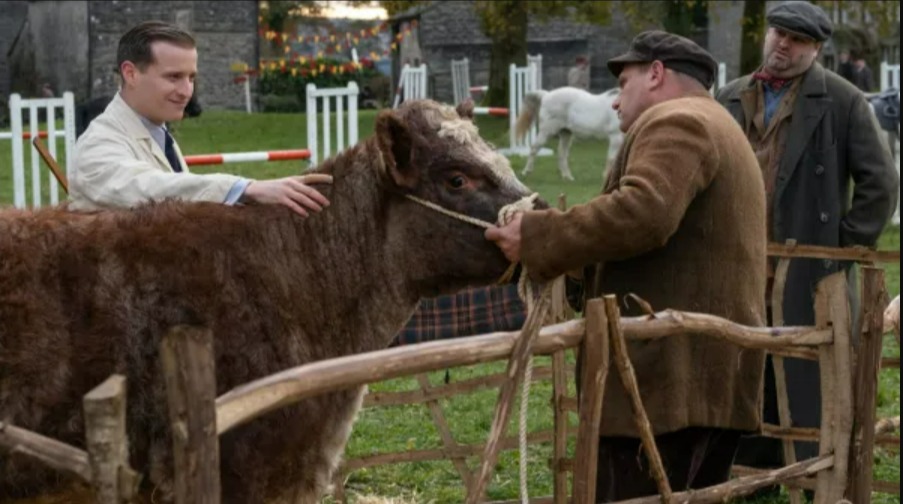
[457, 182]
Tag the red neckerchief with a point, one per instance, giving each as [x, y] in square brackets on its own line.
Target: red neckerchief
[773, 82]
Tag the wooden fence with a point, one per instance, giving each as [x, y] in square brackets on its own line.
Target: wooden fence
[847, 437]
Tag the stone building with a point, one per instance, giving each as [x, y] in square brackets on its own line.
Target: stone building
[71, 45]
[451, 30]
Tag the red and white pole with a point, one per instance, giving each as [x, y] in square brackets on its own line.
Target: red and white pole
[492, 111]
[247, 157]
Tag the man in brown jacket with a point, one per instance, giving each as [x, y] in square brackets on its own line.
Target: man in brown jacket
[813, 133]
[680, 223]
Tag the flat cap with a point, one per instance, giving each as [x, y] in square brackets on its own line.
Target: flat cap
[801, 18]
[675, 52]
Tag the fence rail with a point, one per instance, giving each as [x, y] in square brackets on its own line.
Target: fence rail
[847, 435]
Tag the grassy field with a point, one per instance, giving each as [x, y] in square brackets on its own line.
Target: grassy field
[390, 429]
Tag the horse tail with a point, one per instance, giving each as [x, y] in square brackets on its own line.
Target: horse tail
[532, 101]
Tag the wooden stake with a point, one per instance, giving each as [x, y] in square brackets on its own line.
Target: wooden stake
[251, 400]
[780, 377]
[867, 368]
[51, 163]
[506, 443]
[452, 389]
[515, 371]
[593, 377]
[745, 485]
[837, 254]
[112, 479]
[843, 410]
[832, 311]
[628, 378]
[812, 434]
[50, 452]
[445, 434]
[559, 451]
[186, 355]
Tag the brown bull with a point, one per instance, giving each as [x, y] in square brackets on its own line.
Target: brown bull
[83, 296]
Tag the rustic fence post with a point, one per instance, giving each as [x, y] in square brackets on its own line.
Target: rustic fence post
[186, 355]
[631, 386]
[559, 451]
[112, 479]
[832, 310]
[777, 361]
[520, 357]
[593, 375]
[448, 441]
[874, 296]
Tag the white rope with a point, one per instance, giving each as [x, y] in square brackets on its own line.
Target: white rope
[522, 429]
[525, 291]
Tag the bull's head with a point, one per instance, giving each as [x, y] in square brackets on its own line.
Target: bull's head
[434, 152]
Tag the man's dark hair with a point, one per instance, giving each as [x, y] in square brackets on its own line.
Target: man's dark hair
[135, 45]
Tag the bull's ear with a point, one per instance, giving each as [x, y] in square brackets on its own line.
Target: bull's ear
[395, 143]
[465, 109]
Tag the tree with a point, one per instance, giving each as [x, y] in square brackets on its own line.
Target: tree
[275, 13]
[685, 17]
[395, 6]
[505, 23]
[753, 31]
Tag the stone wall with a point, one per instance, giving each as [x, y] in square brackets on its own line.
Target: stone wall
[59, 38]
[226, 32]
[12, 20]
[725, 34]
[451, 30]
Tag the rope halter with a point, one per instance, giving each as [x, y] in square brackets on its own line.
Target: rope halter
[532, 301]
[505, 214]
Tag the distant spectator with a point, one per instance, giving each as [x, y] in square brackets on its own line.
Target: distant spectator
[578, 75]
[863, 79]
[845, 68]
[47, 91]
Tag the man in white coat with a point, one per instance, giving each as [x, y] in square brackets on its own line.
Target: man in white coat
[127, 156]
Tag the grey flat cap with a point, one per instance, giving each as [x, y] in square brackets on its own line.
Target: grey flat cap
[675, 52]
[802, 18]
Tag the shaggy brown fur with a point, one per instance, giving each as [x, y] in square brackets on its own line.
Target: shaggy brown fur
[83, 296]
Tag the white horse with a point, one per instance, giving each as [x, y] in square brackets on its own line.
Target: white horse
[570, 111]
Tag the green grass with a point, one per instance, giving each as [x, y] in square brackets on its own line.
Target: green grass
[390, 429]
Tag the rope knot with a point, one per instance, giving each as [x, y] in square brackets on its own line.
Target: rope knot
[510, 210]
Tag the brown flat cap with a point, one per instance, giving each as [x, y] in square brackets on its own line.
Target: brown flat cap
[675, 52]
[802, 18]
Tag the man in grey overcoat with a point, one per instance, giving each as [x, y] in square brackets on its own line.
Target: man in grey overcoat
[813, 134]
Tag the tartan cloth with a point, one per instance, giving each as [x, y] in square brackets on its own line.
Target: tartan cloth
[469, 312]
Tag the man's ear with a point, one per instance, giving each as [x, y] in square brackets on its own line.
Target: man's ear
[395, 144]
[128, 71]
[655, 74]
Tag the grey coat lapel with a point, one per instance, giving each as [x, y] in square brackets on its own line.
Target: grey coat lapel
[811, 104]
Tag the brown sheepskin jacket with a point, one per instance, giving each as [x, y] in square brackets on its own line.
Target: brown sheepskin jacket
[680, 223]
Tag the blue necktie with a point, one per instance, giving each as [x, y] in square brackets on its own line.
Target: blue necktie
[170, 152]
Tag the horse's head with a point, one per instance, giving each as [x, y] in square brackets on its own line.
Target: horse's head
[435, 153]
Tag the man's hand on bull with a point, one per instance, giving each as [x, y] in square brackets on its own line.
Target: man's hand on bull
[293, 192]
[507, 237]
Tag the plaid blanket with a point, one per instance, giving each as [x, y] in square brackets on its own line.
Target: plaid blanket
[469, 312]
